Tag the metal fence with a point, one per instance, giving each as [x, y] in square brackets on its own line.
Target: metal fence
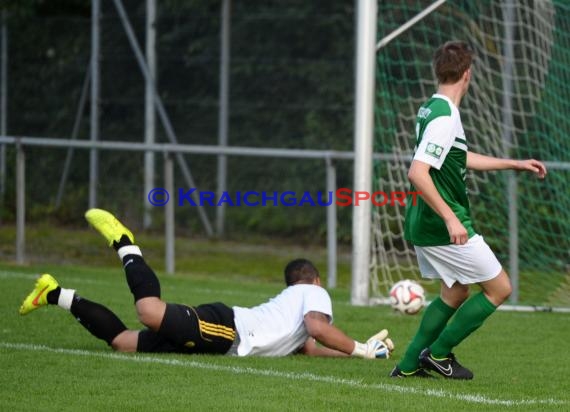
[169, 151]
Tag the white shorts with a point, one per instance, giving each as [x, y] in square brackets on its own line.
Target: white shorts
[473, 262]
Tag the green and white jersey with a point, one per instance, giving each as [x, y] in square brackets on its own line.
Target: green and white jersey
[440, 142]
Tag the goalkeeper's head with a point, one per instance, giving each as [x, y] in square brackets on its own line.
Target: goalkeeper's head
[301, 271]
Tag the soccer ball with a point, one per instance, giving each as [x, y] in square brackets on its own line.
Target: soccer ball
[407, 296]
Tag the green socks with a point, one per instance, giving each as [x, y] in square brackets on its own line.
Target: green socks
[434, 319]
[442, 337]
[470, 316]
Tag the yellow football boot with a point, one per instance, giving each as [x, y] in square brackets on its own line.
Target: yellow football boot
[38, 297]
[108, 225]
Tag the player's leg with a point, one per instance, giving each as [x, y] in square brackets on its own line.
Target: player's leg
[97, 319]
[456, 296]
[497, 290]
[433, 321]
[473, 312]
[126, 341]
[142, 280]
[458, 267]
[469, 317]
[173, 328]
[435, 316]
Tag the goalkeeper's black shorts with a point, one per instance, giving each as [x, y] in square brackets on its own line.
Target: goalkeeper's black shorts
[207, 328]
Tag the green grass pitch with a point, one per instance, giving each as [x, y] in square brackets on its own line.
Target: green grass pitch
[47, 359]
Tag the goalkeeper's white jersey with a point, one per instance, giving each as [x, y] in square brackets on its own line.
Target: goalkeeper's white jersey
[276, 328]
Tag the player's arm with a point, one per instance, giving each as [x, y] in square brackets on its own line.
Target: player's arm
[481, 162]
[311, 348]
[336, 342]
[419, 176]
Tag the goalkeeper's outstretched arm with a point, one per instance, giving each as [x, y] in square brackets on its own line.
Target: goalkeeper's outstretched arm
[311, 348]
[336, 343]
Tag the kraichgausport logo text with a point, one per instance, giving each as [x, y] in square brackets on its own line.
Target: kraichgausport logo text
[341, 197]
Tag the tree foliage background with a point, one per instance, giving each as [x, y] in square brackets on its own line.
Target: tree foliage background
[291, 86]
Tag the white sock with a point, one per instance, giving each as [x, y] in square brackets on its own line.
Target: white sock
[129, 250]
[65, 298]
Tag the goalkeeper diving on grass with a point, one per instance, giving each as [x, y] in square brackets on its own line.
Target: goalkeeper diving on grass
[297, 320]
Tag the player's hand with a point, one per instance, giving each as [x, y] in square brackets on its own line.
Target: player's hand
[383, 337]
[370, 350]
[379, 346]
[457, 232]
[378, 349]
[534, 166]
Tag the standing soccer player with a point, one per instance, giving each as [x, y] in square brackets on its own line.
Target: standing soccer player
[440, 226]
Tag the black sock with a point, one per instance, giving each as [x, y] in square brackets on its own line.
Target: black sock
[53, 296]
[140, 277]
[97, 319]
[123, 241]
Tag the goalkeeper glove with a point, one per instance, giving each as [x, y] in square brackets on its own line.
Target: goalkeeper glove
[373, 349]
[378, 346]
[383, 336]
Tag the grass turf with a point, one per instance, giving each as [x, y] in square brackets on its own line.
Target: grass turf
[48, 359]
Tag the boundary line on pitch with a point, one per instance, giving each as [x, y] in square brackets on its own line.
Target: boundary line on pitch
[272, 373]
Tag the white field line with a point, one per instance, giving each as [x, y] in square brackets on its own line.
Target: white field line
[272, 373]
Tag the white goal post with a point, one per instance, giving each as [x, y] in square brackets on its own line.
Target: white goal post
[363, 135]
[516, 107]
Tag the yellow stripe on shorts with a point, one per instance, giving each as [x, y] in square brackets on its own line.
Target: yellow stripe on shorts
[214, 329]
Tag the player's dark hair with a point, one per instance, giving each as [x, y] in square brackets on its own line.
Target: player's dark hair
[300, 271]
[451, 60]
